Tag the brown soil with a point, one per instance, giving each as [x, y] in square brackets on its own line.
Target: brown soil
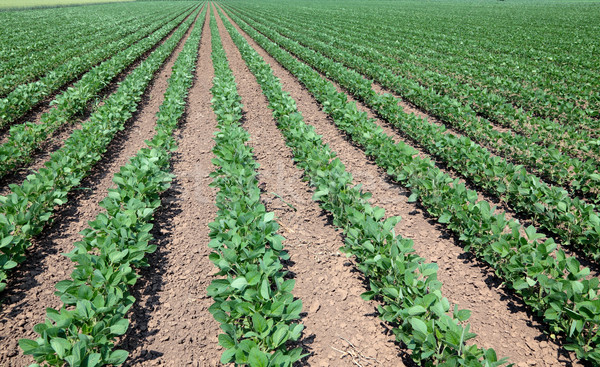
[498, 318]
[500, 206]
[31, 287]
[325, 281]
[171, 325]
[398, 136]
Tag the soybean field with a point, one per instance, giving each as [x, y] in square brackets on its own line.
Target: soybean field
[274, 183]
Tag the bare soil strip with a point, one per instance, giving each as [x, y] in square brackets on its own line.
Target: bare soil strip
[498, 318]
[325, 280]
[31, 287]
[171, 325]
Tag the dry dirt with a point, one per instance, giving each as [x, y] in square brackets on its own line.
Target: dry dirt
[498, 318]
[326, 282]
[171, 325]
[31, 288]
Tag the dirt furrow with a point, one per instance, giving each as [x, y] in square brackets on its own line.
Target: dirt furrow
[31, 287]
[399, 136]
[524, 219]
[499, 319]
[500, 206]
[171, 325]
[325, 280]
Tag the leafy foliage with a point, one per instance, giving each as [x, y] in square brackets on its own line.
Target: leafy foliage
[552, 208]
[551, 283]
[471, 107]
[25, 138]
[25, 96]
[406, 284]
[25, 211]
[253, 299]
[96, 300]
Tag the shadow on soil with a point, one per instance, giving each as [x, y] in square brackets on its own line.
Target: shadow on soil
[151, 280]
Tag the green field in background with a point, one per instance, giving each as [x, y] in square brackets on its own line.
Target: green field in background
[13, 4]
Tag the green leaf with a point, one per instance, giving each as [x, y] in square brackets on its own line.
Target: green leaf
[295, 332]
[120, 327]
[6, 241]
[577, 287]
[317, 195]
[265, 289]
[239, 283]
[418, 325]
[294, 309]
[288, 285]
[226, 341]
[269, 216]
[114, 194]
[490, 355]
[228, 355]
[9, 265]
[463, 315]
[445, 218]
[416, 310]
[259, 322]
[93, 360]
[367, 296]
[28, 345]
[279, 337]
[60, 346]
[117, 357]
[257, 358]
[551, 314]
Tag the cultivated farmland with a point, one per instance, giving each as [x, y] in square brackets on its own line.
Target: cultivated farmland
[306, 183]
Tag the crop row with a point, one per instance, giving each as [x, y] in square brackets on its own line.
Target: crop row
[567, 138]
[95, 302]
[253, 300]
[33, 46]
[567, 94]
[572, 220]
[26, 96]
[73, 46]
[25, 138]
[580, 175]
[552, 284]
[27, 209]
[26, 32]
[403, 281]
